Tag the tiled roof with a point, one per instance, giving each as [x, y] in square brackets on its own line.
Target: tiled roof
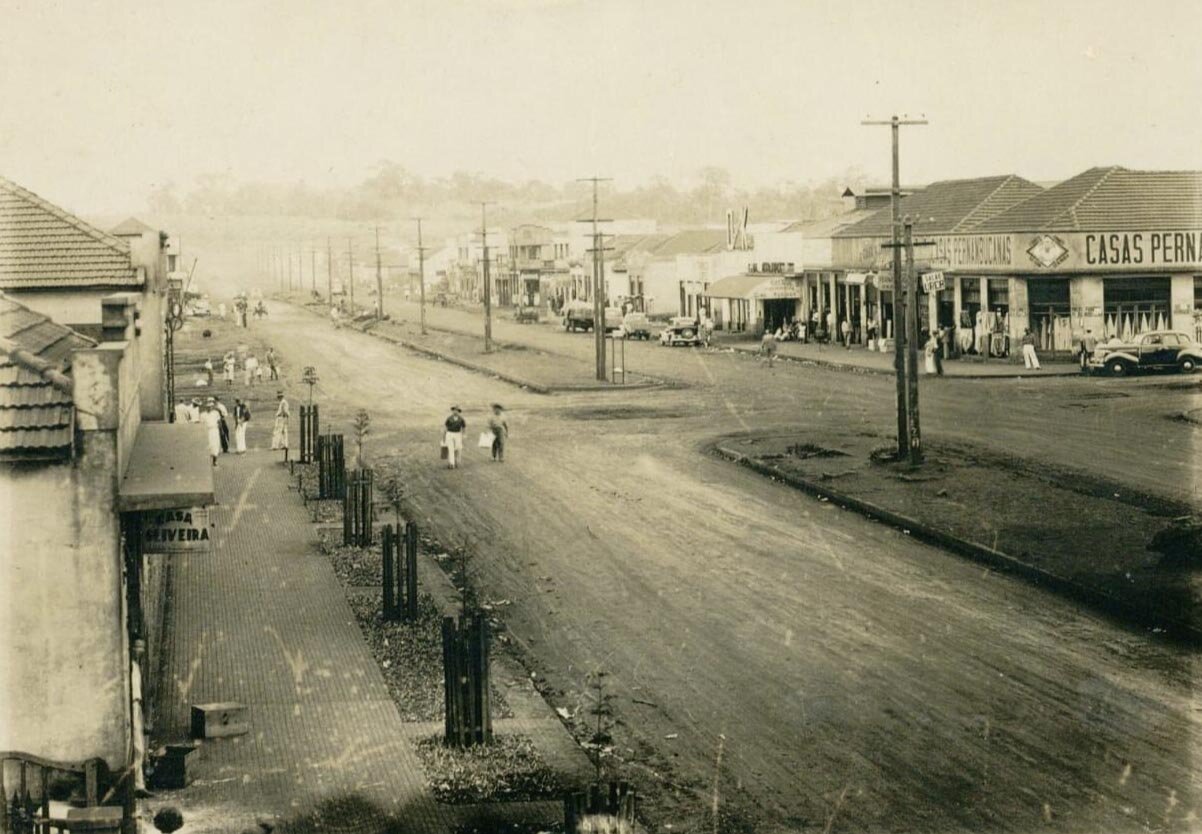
[130, 226]
[623, 245]
[828, 226]
[950, 206]
[692, 242]
[42, 245]
[36, 412]
[1114, 198]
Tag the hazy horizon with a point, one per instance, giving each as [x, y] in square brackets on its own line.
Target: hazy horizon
[106, 102]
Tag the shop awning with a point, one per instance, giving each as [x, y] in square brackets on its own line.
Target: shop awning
[735, 286]
[856, 278]
[169, 468]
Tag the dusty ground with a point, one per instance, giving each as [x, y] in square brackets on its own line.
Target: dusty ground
[787, 663]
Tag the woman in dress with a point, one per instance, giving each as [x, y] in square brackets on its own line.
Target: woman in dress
[279, 432]
[211, 419]
[241, 421]
[932, 345]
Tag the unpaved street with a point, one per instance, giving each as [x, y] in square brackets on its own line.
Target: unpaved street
[781, 660]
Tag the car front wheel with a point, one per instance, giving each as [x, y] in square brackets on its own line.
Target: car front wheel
[1117, 367]
[1187, 364]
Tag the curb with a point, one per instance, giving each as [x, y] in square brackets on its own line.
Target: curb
[1003, 562]
[870, 369]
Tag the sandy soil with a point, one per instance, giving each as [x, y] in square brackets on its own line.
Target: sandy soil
[789, 664]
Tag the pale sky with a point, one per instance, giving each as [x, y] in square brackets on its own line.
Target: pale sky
[101, 101]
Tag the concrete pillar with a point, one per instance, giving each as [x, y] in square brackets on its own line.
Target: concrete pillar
[834, 322]
[1181, 299]
[1020, 318]
[1086, 301]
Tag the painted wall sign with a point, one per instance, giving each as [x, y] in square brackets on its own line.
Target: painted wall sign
[932, 281]
[1037, 252]
[176, 531]
[778, 288]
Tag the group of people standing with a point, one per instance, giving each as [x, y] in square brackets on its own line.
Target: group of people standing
[252, 370]
[213, 414]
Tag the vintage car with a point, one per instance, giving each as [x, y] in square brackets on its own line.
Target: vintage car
[578, 315]
[682, 330]
[1158, 349]
[636, 326]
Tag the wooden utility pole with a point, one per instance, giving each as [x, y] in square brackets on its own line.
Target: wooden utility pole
[421, 266]
[599, 299]
[350, 271]
[899, 340]
[487, 281]
[379, 280]
[329, 273]
[915, 448]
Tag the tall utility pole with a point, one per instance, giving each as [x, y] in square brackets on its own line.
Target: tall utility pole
[350, 272]
[484, 204]
[379, 280]
[421, 266]
[899, 335]
[329, 273]
[598, 251]
[915, 446]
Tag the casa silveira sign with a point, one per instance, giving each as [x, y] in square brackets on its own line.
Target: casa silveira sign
[176, 531]
[1036, 252]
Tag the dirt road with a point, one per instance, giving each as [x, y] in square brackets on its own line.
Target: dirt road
[786, 662]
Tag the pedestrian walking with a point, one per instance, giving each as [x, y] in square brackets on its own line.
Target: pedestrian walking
[930, 353]
[279, 431]
[452, 437]
[500, 432]
[194, 410]
[223, 415]
[272, 364]
[768, 347]
[208, 371]
[182, 413]
[211, 419]
[1089, 344]
[250, 367]
[845, 332]
[1030, 359]
[227, 364]
[241, 421]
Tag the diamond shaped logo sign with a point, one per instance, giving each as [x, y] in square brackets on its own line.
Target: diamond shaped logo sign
[1047, 251]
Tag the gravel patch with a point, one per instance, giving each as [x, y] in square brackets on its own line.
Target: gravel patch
[510, 769]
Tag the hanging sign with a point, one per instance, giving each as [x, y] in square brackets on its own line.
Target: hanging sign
[933, 281]
[176, 531]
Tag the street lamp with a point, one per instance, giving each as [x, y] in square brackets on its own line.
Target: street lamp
[309, 377]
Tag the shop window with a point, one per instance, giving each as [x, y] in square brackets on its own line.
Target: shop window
[1135, 305]
[1049, 317]
[1198, 292]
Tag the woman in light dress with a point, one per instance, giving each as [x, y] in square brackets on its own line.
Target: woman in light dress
[211, 418]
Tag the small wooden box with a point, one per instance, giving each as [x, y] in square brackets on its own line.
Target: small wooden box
[219, 720]
[171, 767]
[99, 818]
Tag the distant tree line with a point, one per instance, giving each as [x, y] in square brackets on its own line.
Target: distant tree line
[391, 190]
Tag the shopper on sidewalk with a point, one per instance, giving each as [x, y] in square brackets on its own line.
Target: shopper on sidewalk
[500, 432]
[279, 431]
[241, 421]
[228, 364]
[1088, 345]
[1030, 360]
[211, 419]
[223, 415]
[272, 365]
[454, 427]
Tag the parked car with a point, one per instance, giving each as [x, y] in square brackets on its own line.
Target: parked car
[577, 315]
[636, 326]
[200, 308]
[1158, 349]
[682, 330]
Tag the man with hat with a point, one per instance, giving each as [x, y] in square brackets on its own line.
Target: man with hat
[455, 426]
[500, 432]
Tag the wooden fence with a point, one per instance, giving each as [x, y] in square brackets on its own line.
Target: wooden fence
[466, 680]
[604, 809]
[25, 790]
[331, 467]
[310, 428]
[357, 508]
[400, 572]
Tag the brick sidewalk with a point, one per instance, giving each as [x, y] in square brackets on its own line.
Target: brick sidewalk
[262, 620]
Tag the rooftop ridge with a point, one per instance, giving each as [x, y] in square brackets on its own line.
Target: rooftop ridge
[46, 370]
[1071, 211]
[62, 214]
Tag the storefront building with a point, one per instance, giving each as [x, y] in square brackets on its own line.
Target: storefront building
[1112, 251]
[959, 293]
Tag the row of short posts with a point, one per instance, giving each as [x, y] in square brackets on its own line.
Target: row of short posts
[310, 428]
[466, 680]
[603, 808]
[357, 508]
[400, 571]
[331, 467]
